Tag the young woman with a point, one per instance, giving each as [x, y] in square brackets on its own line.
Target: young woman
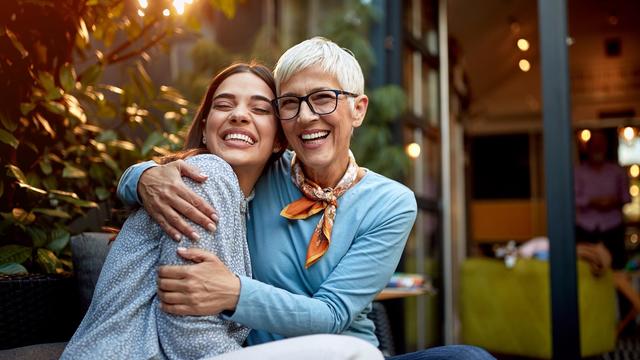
[233, 136]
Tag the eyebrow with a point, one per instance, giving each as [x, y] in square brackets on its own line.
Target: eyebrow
[231, 97]
[310, 91]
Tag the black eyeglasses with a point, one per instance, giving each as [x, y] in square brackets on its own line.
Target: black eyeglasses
[321, 102]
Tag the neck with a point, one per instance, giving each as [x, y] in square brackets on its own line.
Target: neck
[247, 178]
[328, 176]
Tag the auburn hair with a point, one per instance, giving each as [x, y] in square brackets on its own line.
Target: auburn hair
[193, 144]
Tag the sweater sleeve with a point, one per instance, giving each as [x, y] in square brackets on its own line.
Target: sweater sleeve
[128, 185]
[361, 274]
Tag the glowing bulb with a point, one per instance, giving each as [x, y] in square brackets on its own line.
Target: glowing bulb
[166, 12]
[143, 3]
[585, 135]
[633, 238]
[523, 44]
[140, 13]
[634, 190]
[179, 6]
[634, 170]
[413, 150]
[524, 65]
[628, 133]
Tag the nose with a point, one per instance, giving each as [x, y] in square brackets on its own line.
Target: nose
[240, 114]
[305, 113]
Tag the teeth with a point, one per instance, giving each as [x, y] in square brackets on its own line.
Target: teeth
[314, 135]
[236, 136]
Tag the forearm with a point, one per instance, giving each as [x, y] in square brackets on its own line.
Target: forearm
[265, 307]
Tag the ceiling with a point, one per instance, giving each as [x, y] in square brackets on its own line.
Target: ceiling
[488, 30]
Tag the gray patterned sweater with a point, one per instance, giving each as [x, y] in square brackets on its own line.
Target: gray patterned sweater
[124, 320]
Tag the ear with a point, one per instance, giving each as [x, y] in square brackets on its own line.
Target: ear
[360, 110]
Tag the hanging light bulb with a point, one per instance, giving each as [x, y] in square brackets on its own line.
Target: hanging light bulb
[413, 150]
[523, 44]
[524, 65]
[585, 135]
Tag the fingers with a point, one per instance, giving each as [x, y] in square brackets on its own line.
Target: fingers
[190, 171]
[173, 272]
[172, 285]
[197, 255]
[164, 224]
[189, 204]
[168, 200]
[173, 298]
[177, 309]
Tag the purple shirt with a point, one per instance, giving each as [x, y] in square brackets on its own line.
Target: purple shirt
[611, 181]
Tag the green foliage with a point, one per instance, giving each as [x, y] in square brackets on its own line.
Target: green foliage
[65, 133]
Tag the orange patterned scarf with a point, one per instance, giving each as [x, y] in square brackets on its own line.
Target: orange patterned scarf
[315, 200]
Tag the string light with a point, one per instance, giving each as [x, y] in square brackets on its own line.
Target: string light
[585, 135]
[413, 150]
[524, 65]
[634, 170]
[523, 44]
[628, 133]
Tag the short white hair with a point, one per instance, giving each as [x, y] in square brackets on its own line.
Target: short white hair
[334, 60]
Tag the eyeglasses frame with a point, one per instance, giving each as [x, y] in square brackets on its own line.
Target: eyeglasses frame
[305, 98]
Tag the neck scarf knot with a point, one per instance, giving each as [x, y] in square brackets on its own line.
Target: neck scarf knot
[317, 199]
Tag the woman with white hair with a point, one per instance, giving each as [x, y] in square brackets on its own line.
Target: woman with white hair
[324, 234]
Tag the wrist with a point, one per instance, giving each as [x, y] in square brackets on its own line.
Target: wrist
[234, 293]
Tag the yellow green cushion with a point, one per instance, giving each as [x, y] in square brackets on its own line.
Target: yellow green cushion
[508, 310]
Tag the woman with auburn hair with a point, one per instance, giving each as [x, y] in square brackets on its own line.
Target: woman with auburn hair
[232, 138]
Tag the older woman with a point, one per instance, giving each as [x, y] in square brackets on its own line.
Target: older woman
[324, 234]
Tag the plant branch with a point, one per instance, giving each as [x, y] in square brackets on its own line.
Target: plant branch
[113, 54]
[135, 53]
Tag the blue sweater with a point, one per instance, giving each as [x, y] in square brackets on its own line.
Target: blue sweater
[334, 295]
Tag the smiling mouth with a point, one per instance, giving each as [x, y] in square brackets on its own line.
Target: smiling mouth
[239, 137]
[318, 135]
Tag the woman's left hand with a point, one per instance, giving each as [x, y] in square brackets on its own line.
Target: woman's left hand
[205, 288]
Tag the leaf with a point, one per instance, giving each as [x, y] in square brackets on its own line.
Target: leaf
[46, 80]
[53, 212]
[12, 269]
[60, 239]
[72, 172]
[228, 7]
[82, 38]
[72, 198]
[55, 107]
[113, 89]
[25, 108]
[45, 166]
[32, 188]
[38, 236]
[102, 193]
[8, 138]
[67, 77]
[107, 136]
[16, 173]
[91, 74]
[16, 43]
[110, 162]
[14, 254]
[8, 122]
[45, 124]
[152, 140]
[75, 109]
[22, 216]
[47, 260]
[122, 144]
